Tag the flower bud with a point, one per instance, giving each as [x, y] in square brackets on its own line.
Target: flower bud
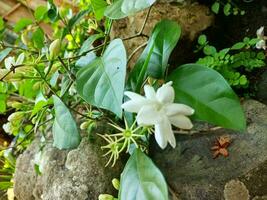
[116, 183]
[105, 197]
[16, 116]
[7, 127]
[25, 38]
[16, 105]
[54, 48]
[84, 125]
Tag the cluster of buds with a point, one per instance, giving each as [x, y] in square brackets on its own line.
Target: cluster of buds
[116, 185]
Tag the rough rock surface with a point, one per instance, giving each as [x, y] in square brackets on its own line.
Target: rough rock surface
[235, 190]
[67, 175]
[192, 172]
[193, 19]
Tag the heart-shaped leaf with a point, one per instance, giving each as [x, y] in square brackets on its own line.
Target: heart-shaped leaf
[209, 94]
[142, 180]
[101, 83]
[154, 59]
[65, 132]
[123, 8]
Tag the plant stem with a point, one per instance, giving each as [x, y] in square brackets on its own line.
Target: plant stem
[71, 75]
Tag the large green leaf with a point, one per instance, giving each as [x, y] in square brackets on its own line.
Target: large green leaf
[101, 83]
[154, 59]
[142, 180]
[65, 131]
[134, 6]
[209, 94]
[123, 8]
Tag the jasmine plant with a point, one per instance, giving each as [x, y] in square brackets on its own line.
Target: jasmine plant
[60, 78]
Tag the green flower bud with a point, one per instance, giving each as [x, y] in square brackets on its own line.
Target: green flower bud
[25, 38]
[16, 105]
[116, 183]
[105, 197]
[54, 48]
[16, 116]
[84, 125]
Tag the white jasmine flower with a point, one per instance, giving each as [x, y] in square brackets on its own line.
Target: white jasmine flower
[158, 109]
[262, 43]
[10, 61]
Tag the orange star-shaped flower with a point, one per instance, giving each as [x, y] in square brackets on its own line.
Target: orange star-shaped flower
[220, 146]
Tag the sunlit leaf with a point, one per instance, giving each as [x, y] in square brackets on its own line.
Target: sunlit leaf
[101, 83]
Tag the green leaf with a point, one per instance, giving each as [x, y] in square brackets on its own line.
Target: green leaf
[209, 50]
[2, 24]
[38, 38]
[123, 8]
[3, 98]
[88, 44]
[86, 60]
[134, 6]
[4, 53]
[22, 23]
[101, 83]
[154, 59]
[65, 131]
[40, 13]
[239, 45]
[52, 12]
[99, 7]
[40, 102]
[209, 94]
[142, 180]
[202, 39]
[77, 18]
[114, 11]
[215, 7]
[243, 80]
[227, 9]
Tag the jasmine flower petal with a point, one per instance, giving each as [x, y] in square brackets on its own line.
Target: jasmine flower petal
[181, 121]
[160, 135]
[150, 92]
[178, 109]
[165, 94]
[148, 116]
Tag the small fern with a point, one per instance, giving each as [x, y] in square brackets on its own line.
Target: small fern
[232, 62]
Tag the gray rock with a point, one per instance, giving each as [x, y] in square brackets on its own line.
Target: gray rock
[191, 170]
[66, 175]
[235, 190]
[192, 17]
